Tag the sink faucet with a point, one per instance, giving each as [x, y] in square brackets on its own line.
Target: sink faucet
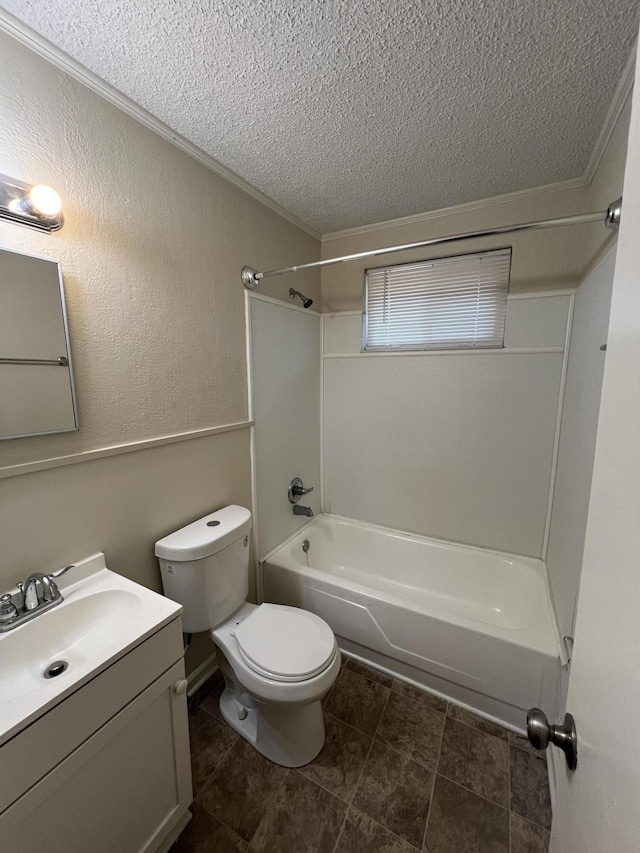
[50, 591]
[303, 510]
[16, 608]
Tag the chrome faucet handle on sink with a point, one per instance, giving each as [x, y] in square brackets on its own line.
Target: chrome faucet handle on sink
[14, 612]
[50, 591]
[62, 571]
[8, 610]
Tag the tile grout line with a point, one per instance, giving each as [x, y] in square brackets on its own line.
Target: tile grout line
[386, 829]
[269, 804]
[426, 826]
[402, 755]
[482, 731]
[510, 746]
[435, 777]
[357, 785]
[224, 757]
[514, 811]
[373, 740]
[344, 820]
[370, 678]
[487, 799]
[406, 755]
[493, 802]
[344, 723]
[471, 791]
[532, 822]
[355, 790]
[217, 767]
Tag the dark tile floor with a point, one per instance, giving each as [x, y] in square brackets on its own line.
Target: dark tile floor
[400, 771]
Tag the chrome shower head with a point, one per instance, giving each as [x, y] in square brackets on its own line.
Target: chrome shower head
[306, 303]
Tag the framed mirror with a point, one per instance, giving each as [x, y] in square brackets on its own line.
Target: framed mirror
[37, 395]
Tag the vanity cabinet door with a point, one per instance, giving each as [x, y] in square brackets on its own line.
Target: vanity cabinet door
[126, 789]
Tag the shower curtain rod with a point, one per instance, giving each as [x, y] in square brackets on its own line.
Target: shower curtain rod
[610, 218]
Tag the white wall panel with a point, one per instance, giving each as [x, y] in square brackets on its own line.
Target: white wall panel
[342, 333]
[531, 322]
[285, 366]
[536, 322]
[458, 448]
[578, 439]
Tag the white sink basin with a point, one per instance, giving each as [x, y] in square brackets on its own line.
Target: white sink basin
[102, 617]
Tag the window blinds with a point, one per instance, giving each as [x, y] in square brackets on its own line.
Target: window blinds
[448, 303]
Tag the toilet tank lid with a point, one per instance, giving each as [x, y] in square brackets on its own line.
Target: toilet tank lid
[206, 536]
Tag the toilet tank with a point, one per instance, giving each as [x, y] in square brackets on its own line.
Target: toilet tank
[205, 567]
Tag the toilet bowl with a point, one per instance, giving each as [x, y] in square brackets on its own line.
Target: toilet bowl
[278, 661]
[273, 691]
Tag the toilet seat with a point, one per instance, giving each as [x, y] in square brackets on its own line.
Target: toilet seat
[285, 643]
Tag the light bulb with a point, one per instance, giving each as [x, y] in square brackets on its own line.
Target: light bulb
[45, 200]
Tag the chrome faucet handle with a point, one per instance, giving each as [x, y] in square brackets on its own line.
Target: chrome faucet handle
[8, 610]
[50, 591]
[62, 571]
[299, 490]
[296, 490]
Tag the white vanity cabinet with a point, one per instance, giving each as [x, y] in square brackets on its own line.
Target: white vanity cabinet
[107, 770]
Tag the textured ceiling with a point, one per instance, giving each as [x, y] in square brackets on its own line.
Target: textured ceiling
[355, 111]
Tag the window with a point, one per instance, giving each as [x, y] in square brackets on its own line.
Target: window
[449, 303]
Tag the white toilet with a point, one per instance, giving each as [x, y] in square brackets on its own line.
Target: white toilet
[277, 661]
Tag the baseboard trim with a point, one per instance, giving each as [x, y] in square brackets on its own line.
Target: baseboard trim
[553, 756]
[202, 673]
[170, 839]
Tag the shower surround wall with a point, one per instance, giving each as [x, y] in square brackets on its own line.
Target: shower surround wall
[578, 439]
[285, 405]
[454, 445]
[405, 436]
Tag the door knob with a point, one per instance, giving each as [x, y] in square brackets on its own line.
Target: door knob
[180, 686]
[565, 737]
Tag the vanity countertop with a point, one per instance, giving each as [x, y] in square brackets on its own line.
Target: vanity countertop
[102, 617]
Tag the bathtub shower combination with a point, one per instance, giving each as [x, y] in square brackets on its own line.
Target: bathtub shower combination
[472, 625]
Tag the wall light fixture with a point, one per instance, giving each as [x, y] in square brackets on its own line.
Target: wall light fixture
[38, 206]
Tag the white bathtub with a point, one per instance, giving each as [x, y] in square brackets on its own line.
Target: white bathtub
[472, 625]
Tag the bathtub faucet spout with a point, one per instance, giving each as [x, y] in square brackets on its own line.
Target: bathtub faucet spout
[302, 510]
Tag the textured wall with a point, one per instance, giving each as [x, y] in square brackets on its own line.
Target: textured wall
[541, 260]
[606, 187]
[151, 253]
[120, 505]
